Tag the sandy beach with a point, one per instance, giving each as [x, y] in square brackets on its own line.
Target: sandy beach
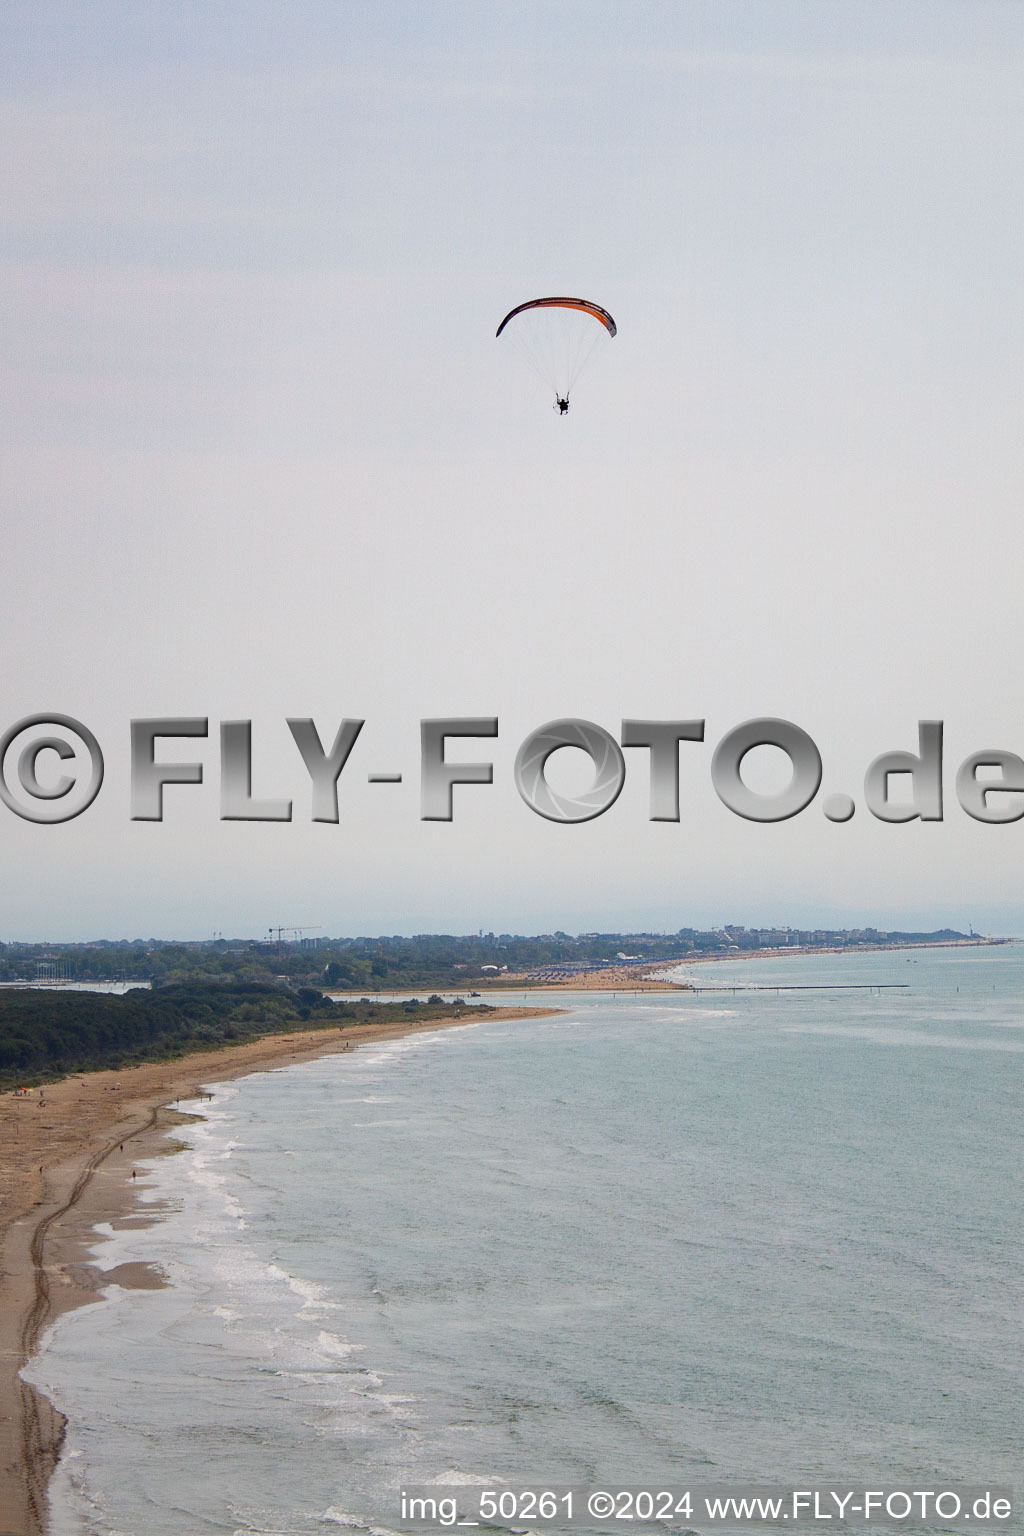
[606, 978]
[67, 1157]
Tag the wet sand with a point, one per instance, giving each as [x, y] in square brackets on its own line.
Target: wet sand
[67, 1155]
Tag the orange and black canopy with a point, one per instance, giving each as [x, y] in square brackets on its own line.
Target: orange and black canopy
[584, 304]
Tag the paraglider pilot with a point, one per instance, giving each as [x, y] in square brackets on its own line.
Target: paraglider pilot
[563, 404]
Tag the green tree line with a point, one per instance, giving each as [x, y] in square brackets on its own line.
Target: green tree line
[51, 1034]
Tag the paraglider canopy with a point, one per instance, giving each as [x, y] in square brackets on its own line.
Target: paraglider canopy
[558, 337]
[581, 304]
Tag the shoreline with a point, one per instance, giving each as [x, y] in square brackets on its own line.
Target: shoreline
[67, 1155]
[606, 979]
[636, 978]
[68, 1151]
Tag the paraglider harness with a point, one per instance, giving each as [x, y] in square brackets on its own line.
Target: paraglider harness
[561, 405]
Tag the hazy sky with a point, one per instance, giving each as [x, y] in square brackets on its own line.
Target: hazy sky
[263, 457]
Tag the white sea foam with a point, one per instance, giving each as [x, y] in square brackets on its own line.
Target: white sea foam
[333, 1346]
[355, 1523]
[314, 1297]
[456, 1479]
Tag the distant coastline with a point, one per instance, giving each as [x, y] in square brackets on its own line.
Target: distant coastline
[633, 977]
[421, 963]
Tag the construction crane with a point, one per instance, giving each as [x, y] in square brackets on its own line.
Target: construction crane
[295, 929]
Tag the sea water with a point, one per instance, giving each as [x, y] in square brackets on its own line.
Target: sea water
[732, 1237]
